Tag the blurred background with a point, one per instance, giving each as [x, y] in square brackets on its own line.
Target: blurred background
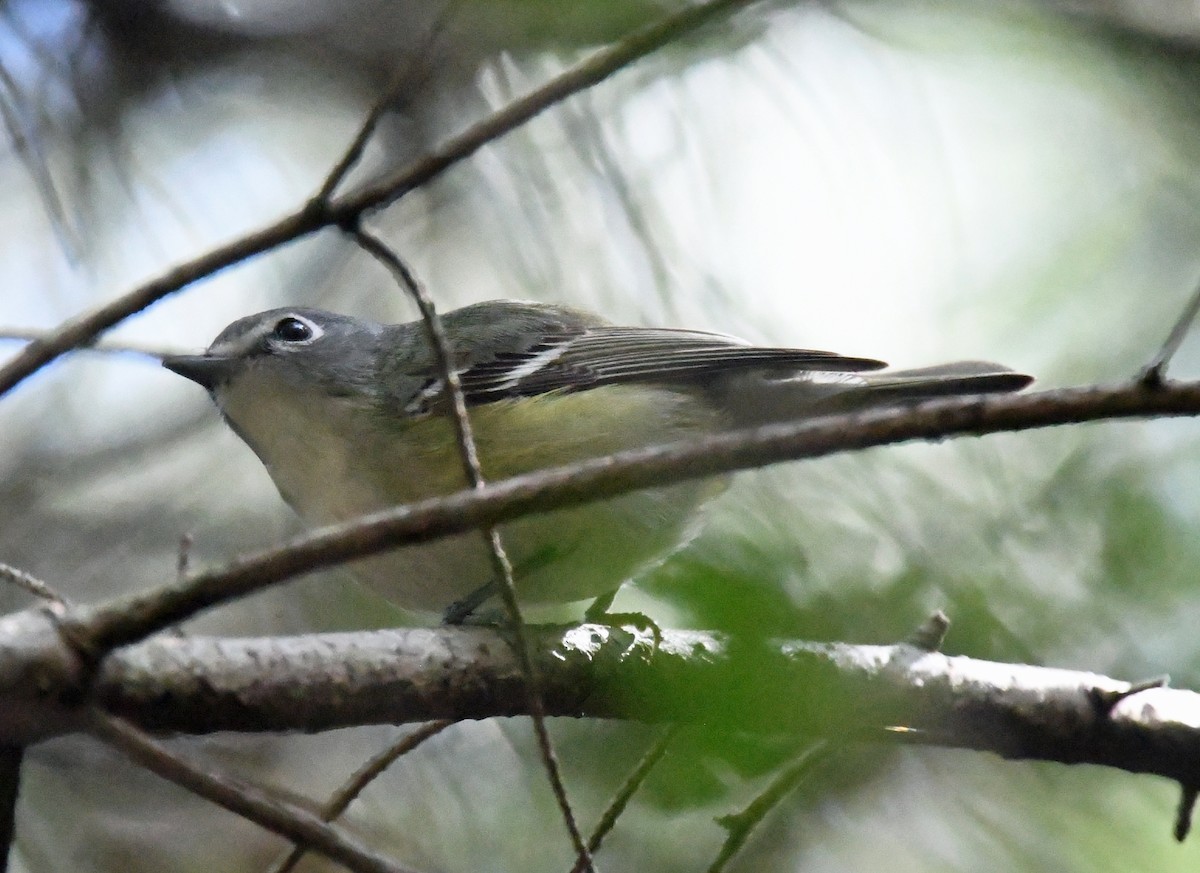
[913, 180]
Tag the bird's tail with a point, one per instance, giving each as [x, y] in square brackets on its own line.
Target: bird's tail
[753, 400]
[946, 380]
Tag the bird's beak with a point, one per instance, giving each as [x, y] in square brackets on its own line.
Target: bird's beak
[206, 370]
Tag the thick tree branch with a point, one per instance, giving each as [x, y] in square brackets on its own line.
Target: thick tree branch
[896, 693]
[99, 628]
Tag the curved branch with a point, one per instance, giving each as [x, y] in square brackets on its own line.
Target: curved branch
[123, 620]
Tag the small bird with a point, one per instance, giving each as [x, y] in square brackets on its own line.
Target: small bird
[350, 417]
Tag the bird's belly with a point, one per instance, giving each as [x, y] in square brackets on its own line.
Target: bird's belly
[353, 467]
[557, 557]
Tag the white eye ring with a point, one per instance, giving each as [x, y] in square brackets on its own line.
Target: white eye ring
[293, 330]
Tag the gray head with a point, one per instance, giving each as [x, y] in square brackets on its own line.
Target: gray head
[292, 384]
[292, 348]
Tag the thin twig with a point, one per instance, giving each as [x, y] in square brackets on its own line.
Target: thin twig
[1155, 372]
[11, 758]
[131, 617]
[359, 780]
[589, 143]
[345, 210]
[589, 72]
[442, 352]
[31, 584]
[502, 566]
[402, 78]
[742, 824]
[625, 793]
[253, 804]
[183, 558]
[32, 154]
[104, 346]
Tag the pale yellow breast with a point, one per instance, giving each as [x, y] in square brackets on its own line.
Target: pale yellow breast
[334, 459]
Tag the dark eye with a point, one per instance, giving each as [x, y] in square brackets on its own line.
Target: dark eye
[292, 330]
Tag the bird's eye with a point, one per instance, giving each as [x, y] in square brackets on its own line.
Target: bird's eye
[292, 330]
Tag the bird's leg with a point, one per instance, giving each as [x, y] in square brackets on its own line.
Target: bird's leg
[598, 613]
[460, 611]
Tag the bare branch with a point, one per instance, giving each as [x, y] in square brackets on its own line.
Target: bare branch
[501, 565]
[184, 557]
[932, 632]
[126, 619]
[401, 79]
[31, 584]
[318, 214]
[360, 779]
[742, 824]
[438, 341]
[25, 140]
[620, 800]
[242, 798]
[85, 327]
[587, 73]
[1155, 372]
[848, 693]
[96, 345]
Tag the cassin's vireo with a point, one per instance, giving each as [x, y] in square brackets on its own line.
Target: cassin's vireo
[350, 417]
